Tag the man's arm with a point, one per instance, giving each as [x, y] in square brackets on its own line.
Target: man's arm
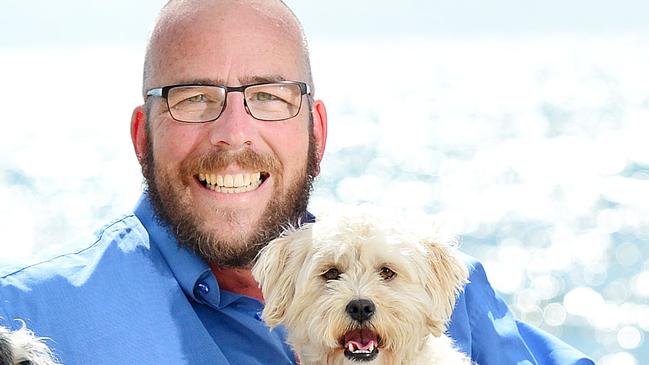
[483, 326]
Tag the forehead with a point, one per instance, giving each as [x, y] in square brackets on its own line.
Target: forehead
[226, 43]
[366, 244]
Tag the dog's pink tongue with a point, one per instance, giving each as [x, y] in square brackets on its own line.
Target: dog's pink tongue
[361, 339]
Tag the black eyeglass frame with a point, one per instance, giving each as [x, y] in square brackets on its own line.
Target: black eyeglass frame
[163, 92]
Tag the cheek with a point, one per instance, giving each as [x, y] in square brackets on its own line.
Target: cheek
[290, 145]
[172, 144]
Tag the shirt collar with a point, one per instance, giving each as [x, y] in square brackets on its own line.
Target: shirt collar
[188, 268]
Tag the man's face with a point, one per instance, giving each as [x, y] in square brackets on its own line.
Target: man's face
[229, 226]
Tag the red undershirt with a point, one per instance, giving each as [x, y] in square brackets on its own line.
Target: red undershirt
[238, 281]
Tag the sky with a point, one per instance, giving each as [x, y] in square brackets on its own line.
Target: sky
[122, 22]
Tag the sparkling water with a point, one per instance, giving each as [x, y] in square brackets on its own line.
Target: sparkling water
[533, 151]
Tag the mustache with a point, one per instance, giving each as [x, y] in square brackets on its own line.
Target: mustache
[216, 160]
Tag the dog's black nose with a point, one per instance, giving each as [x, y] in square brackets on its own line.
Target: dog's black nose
[360, 309]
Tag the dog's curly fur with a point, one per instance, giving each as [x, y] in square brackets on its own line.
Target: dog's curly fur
[409, 310]
[21, 347]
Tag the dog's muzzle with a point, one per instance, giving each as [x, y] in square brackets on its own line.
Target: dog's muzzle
[361, 344]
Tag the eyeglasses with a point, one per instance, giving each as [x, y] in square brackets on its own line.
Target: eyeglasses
[267, 101]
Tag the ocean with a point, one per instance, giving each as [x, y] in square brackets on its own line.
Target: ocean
[531, 150]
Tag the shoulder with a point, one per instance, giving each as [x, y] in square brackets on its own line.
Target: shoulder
[482, 322]
[478, 300]
[93, 299]
[118, 237]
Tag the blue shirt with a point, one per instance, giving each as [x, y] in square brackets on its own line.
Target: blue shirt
[136, 297]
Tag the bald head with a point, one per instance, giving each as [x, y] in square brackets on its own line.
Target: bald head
[225, 34]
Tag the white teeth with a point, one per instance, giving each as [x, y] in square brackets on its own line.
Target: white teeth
[238, 180]
[230, 184]
[228, 181]
[351, 347]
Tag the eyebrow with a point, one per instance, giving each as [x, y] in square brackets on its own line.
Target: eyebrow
[245, 80]
[255, 79]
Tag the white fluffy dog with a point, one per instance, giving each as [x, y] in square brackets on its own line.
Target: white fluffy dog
[354, 287]
[21, 347]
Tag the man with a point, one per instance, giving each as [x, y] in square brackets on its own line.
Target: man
[229, 139]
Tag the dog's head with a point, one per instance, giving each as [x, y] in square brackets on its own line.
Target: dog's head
[358, 286]
[21, 347]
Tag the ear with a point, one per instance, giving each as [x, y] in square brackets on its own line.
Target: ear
[319, 128]
[447, 277]
[276, 269]
[138, 132]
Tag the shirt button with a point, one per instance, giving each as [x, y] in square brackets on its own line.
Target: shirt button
[203, 288]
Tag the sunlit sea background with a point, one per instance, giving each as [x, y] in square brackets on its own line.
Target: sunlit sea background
[533, 150]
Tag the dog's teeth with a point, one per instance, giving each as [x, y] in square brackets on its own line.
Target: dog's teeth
[372, 347]
[350, 347]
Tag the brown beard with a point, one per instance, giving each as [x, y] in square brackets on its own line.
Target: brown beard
[180, 220]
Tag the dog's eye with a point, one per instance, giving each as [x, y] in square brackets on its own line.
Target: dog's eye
[332, 274]
[387, 273]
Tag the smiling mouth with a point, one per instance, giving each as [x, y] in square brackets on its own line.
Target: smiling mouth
[232, 184]
[361, 344]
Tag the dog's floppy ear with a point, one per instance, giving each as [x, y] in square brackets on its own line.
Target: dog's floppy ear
[276, 269]
[447, 277]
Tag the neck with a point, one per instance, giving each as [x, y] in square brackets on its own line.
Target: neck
[237, 280]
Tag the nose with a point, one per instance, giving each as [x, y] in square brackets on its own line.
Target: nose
[360, 309]
[235, 127]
